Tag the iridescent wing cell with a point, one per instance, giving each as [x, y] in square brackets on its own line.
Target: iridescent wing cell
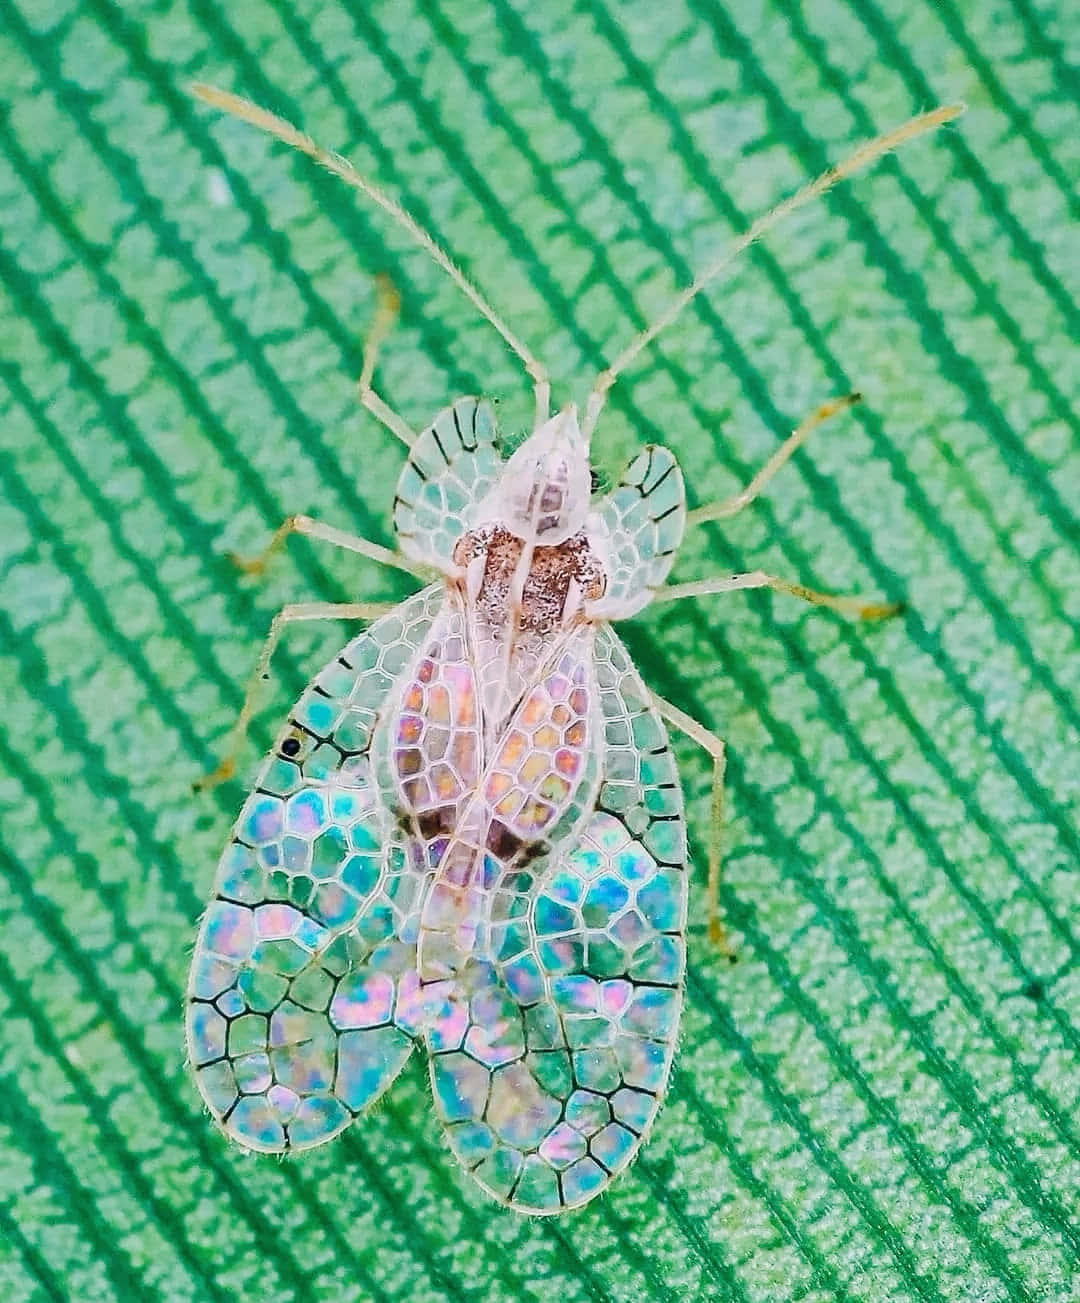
[436, 744]
[451, 467]
[536, 768]
[302, 1000]
[550, 1066]
[642, 521]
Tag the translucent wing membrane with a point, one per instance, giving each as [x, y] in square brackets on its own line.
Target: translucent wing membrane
[539, 762]
[549, 1063]
[451, 467]
[551, 1044]
[303, 985]
[538, 777]
[643, 517]
[436, 745]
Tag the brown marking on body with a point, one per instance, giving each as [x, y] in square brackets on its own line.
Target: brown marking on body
[548, 583]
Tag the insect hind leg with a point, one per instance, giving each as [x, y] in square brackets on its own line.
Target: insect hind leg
[713, 746]
[287, 615]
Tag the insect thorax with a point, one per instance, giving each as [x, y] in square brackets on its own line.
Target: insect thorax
[557, 579]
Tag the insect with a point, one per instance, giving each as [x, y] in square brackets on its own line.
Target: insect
[470, 831]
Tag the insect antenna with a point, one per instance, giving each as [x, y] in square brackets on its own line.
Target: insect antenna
[862, 157]
[284, 131]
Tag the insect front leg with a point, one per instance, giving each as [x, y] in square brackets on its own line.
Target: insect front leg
[859, 607]
[714, 747]
[732, 506]
[287, 615]
[310, 528]
[387, 308]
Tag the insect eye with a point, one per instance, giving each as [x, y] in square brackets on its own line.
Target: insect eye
[290, 746]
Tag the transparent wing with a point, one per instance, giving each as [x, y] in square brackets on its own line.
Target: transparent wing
[451, 467]
[302, 995]
[643, 519]
[539, 781]
[537, 766]
[436, 745]
[550, 1068]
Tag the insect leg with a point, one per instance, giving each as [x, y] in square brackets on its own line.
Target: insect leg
[856, 606]
[387, 306]
[714, 747]
[287, 615]
[328, 534]
[733, 505]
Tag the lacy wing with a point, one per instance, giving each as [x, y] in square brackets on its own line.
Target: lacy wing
[302, 995]
[562, 1042]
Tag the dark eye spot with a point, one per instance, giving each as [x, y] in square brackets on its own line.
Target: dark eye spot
[291, 746]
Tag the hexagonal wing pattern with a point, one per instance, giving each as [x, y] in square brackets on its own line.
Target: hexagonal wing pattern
[303, 990]
[451, 468]
[551, 1056]
[539, 761]
[435, 746]
[640, 526]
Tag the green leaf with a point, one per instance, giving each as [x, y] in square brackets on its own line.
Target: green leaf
[880, 1100]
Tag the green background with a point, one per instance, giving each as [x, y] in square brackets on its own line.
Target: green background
[879, 1101]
